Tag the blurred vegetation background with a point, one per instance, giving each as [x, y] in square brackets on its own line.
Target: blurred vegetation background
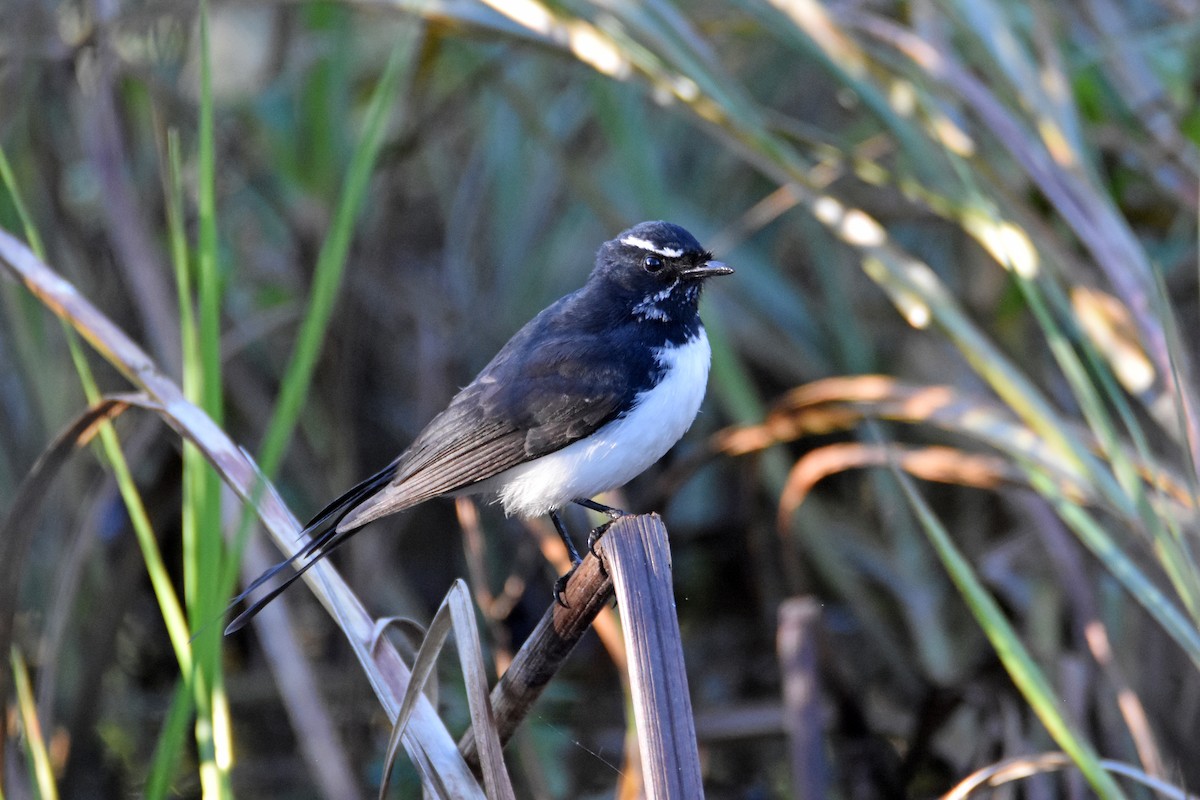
[990, 205]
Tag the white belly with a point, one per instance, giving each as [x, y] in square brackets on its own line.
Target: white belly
[620, 450]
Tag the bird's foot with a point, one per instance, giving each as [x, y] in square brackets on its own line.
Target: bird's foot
[613, 515]
[560, 586]
[608, 511]
[595, 535]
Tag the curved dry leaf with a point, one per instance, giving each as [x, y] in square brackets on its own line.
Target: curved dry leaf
[779, 428]
[1020, 767]
[16, 534]
[941, 464]
[457, 614]
[841, 403]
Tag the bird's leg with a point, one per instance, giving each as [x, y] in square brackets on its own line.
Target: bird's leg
[560, 585]
[562, 534]
[613, 515]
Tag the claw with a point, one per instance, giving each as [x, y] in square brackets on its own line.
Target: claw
[595, 535]
[560, 586]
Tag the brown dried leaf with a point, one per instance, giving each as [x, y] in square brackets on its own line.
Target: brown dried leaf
[941, 464]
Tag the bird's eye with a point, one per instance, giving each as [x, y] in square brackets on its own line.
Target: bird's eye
[652, 263]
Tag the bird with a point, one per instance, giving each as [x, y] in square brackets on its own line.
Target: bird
[584, 397]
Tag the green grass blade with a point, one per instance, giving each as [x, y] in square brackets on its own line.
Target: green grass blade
[203, 545]
[1093, 386]
[208, 274]
[160, 579]
[169, 749]
[1123, 568]
[41, 773]
[331, 264]
[31, 232]
[912, 282]
[31, 350]
[1174, 556]
[1120, 484]
[1021, 667]
[202, 370]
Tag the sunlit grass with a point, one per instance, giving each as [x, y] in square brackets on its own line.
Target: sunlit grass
[937, 200]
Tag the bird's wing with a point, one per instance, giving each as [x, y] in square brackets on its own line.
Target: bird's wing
[540, 393]
[525, 404]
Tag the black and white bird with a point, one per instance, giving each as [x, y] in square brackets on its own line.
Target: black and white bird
[587, 395]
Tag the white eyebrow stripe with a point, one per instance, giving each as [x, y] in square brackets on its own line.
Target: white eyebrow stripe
[645, 244]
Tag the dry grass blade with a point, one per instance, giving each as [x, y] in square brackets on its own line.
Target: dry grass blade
[1020, 767]
[1069, 563]
[552, 640]
[1089, 211]
[429, 745]
[941, 464]
[637, 555]
[1107, 323]
[840, 404]
[17, 532]
[494, 607]
[300, 688]
[835, 404]
[797, 647]
[1001, 174]
[132, 238]
[455, 613]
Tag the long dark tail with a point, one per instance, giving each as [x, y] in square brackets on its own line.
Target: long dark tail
[324, 537]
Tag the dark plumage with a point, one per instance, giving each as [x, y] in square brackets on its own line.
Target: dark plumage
[574, 371]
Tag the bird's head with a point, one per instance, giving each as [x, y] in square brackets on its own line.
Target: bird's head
[658, 269]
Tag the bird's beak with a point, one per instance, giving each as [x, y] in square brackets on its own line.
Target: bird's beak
[708, 269]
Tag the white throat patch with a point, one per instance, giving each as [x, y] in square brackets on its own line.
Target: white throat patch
[649, 308]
